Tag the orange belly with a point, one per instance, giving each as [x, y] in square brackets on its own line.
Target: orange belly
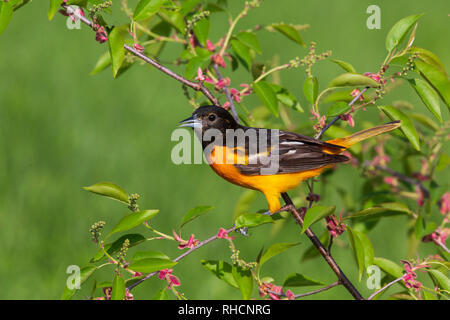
[271, 185]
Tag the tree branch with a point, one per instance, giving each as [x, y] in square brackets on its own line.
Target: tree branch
[198, 86]
[301, 295]
[227, 93]
[322, 250]
[181, 256]
[335, 119]
[404, 178]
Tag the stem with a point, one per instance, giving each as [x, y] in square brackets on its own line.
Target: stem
[230, 31]
[322, 250]
[334, 284]
[181, 256]
[227, 93]
[404, 178]
[335, 119]
[384, 288]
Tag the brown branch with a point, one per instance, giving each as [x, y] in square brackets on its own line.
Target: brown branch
[227, 93]
[322, 250]
[404, 178]
[181, 256]
[301, 295]
[335, 119]
[198, 86]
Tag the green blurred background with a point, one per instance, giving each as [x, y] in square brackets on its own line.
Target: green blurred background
[61, 129]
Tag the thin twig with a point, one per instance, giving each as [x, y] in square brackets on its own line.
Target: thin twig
[335, 119]
[403, 177]
[384, 288]
[181, 256]
[227, 93]
[301, 295]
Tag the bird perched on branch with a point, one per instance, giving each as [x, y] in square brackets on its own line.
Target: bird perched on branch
[271, 161]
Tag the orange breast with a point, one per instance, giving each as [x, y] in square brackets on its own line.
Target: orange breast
[270, 185]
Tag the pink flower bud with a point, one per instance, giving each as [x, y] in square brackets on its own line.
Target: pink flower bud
[210, 46]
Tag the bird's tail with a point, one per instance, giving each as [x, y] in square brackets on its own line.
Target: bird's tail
[347, 142]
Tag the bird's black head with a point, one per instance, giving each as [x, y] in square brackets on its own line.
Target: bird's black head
[208, 117]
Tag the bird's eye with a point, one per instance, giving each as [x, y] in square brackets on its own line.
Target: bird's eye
[211, 117]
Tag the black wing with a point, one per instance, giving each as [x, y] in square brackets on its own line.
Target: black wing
[295, 152]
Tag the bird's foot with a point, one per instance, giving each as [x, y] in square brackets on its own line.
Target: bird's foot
[243, 231]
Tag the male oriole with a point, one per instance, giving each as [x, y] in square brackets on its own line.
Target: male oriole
[298, 158]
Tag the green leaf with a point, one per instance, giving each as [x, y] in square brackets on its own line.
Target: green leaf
[133, 220]
[407, 127]
[290, 32]
[85, 273]
[429, 97]
[422, 228]
[149, 254]
[118, 288]
[428, 295]
[399, 31]
[383, 210]
[389, 267]
[149, 265]
[221, 270]
[116, 42]
[274, 250]
[161, 295]
[424, 120]
[362, 248]
[147, 8]
[252, 220]
[103, 62]
[338, 108]
[243, 52]
[267, 96]
[441, 279]
[316, 213]
[428, 57]
[110, 190]
[436, 78]
[54, 6]
[299, 280]
[244, 281]
[286, 98]
[250, 40]
[6, 12]
[310, 89]
[193, 65]
[353, 80]
[174, 18]
[112, 248]
[344, 65]
[201, 30]
[443, 162]
[244, 202]
[195, 213]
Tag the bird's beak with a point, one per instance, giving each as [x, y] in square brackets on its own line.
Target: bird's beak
[192, 122]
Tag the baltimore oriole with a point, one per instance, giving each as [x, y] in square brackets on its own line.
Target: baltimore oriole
[298, 157]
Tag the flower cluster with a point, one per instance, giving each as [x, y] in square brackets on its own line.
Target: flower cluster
[336, 228]
[183, 244]
[274, 292]
[167, 275]
[409, 279]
